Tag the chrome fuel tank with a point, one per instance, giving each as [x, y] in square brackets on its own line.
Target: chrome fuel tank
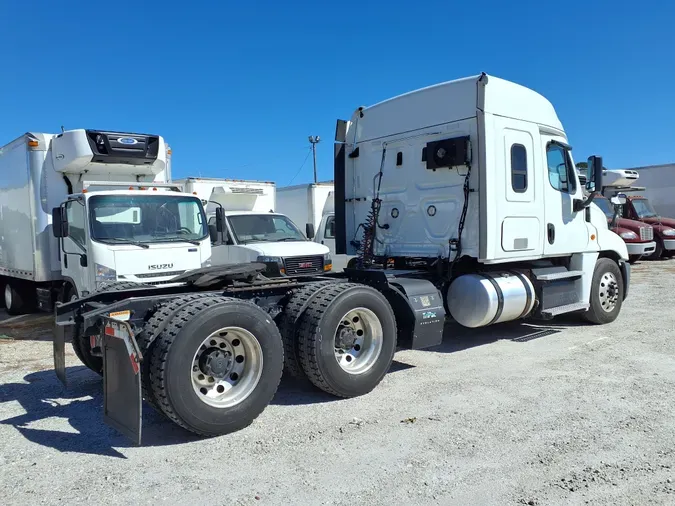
[481, 299]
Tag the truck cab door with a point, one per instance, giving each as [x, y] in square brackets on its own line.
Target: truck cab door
[221, 249]
[565, 230]
[326, 232]
[74, 248]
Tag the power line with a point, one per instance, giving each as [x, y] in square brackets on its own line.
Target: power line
[309, 151]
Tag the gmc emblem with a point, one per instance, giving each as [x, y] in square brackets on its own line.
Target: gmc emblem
[305, 265]
[159, 267]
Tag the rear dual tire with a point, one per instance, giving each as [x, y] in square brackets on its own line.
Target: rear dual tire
[216, 365]
[346, 339]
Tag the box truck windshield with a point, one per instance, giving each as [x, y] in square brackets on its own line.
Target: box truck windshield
[264, 228]
[145, 219]
[643, 208]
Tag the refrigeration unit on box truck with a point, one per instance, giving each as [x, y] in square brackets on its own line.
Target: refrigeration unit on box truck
[252, 230]
[445, 184]
[117, 218]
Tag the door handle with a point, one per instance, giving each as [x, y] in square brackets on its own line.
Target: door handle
[551, 233]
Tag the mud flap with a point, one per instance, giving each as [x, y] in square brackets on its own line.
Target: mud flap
[122, 398]
[59, 344]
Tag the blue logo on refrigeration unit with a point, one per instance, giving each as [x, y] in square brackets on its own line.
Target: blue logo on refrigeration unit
[429, 314]
[127, 140]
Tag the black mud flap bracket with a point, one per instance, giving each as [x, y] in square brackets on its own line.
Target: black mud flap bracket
[122, 397]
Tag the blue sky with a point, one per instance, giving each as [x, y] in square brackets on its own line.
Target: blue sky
[236, 89]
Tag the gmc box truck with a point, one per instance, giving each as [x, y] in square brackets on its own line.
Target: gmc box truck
[460, 199]
[252, 230]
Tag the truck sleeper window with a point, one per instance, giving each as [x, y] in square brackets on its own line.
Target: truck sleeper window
[518, 168]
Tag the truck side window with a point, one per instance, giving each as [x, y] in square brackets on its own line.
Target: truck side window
[560, 170]
[330, 228]
[518, 168]
[75, 214]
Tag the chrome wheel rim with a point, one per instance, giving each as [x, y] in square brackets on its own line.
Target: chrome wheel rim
[8, 296]
[358, 340]
[227, 367]
[608, 292]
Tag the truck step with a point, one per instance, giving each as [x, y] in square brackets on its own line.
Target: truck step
[553, 276]
[567, 308]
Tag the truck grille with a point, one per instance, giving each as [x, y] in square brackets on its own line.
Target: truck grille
[303, 265]
[159, 274]
[646, 234]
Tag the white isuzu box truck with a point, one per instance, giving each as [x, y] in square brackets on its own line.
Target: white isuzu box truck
[116, 218]
[253, 231]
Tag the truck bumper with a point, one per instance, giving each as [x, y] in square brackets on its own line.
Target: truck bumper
[625, 273]
[641, 248]
[669, 244]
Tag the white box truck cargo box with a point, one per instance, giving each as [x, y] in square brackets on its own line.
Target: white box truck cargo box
[232, 194]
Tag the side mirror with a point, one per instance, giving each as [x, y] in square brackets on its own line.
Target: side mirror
[309, 230]
[619, 199]
[595, 171]
[220, 219]
[59, 223]
[83, 261]
[213, 232]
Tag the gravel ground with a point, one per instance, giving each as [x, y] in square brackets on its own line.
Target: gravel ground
[583, 415]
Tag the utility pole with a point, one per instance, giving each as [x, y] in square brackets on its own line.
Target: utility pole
[314, 140]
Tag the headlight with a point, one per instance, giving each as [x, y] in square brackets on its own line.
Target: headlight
[670, 232]
[104, 273]
[270, 260]
[629, 235]
[206, 263]
[327, 262]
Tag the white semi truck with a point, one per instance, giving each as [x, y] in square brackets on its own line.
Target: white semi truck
[117, 220]
[658, 186]
[462, 196]
[252, 230]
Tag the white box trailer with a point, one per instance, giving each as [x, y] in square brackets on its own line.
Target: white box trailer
[312, 206]
[104, 186]
[659, 187]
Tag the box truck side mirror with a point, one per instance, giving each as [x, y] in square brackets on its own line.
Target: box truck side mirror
[309, 231]
[220, 219]
[83, 261]
[213, 232]
[59, 222]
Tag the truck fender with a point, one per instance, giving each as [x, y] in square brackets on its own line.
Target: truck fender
[419, 312]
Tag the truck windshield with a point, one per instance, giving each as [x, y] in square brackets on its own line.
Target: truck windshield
[118, 219]
[643, 208]
[264, 228]
[605, 206]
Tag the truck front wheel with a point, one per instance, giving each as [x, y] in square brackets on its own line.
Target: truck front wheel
[347, 339]
[606, 292]
[217, 365]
